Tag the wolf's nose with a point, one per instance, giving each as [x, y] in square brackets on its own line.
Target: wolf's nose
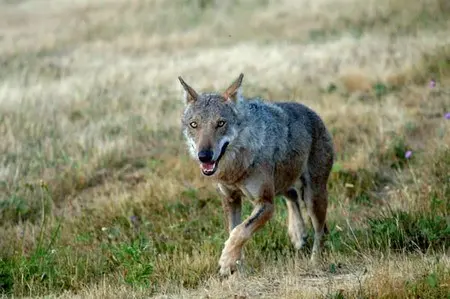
[205, 156]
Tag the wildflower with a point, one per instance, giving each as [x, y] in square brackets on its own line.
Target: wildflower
[432, 83]
[134, 219]
[447, 115]
[408, 154]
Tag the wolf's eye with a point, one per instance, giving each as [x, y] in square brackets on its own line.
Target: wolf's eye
[193, 124]
[221, 123]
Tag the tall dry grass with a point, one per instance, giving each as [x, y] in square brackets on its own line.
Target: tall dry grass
[98, 197]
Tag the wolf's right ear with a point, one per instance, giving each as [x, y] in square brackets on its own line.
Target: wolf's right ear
[190, 94]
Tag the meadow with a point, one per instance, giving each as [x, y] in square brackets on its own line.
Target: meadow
[99, 198]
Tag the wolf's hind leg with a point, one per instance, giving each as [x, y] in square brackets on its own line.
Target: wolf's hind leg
[316, 199]
[296, 224]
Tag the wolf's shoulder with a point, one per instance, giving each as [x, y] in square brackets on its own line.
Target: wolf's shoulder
[294, 110]
[259, 105]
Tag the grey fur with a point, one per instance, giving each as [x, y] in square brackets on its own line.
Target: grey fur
[263, 135]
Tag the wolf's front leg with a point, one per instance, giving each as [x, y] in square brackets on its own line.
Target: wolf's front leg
[262, 212]
[232, 205]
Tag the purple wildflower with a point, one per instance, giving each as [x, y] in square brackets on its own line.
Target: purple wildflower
[432, 83]
[447, 115]
[135, 222]
[408, 154]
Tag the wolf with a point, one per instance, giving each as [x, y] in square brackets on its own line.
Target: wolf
[253, 148]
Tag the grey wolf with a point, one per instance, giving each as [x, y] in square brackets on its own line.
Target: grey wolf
[257, 149]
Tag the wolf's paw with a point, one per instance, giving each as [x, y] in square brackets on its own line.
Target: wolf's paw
[229, 261]
[316, 258]
[298, 238]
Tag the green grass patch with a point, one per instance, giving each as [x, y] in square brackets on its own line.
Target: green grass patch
[433, 284]
[399, 232]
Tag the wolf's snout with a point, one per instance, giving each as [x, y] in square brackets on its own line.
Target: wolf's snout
[205, 156]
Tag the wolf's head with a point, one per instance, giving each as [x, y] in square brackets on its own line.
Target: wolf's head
[210, 123]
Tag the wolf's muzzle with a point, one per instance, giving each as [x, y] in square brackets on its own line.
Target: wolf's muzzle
[205, 156]
[209, 164]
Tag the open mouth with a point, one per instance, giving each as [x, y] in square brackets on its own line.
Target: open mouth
[210, 168]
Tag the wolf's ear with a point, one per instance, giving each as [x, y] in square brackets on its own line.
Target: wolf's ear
[190, 94]
[234, 91]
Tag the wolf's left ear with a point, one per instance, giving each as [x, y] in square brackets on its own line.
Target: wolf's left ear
[190, 94]
[234, 91]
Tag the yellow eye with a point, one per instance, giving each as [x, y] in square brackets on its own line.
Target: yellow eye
[221, 123]
[193, 124]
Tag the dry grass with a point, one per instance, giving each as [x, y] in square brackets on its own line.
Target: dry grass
[98, 197]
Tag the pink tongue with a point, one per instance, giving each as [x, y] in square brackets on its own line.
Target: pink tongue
[208, 166]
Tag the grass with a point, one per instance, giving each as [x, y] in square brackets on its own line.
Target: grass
[98, 197]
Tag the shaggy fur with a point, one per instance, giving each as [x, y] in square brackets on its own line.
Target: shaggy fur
[260, 150]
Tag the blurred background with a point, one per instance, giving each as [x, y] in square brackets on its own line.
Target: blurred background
[99, 199]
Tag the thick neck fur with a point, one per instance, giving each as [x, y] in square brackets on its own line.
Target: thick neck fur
[255, 118]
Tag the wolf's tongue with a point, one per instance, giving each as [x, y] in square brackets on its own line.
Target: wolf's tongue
[208, 166]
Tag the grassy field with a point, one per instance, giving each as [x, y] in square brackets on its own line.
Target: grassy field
[99, 199]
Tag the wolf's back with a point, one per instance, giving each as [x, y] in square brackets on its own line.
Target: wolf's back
[302, 118]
